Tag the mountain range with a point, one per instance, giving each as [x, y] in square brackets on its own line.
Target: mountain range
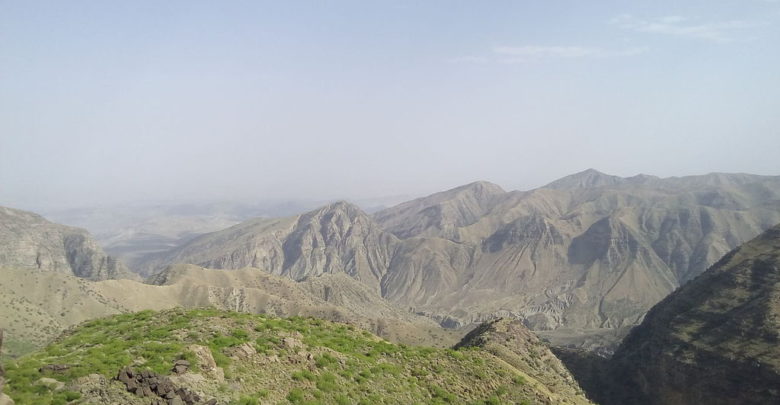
[586, 255]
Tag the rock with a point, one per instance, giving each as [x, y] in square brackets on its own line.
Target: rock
[292, 343]
[203, 354]
[54, 368]
[91, 382]
[6, 400]
[243, 351]
[207, 363]
[51, 383]
[160, 389]
[181, 366]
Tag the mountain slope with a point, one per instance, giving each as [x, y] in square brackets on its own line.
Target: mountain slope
[338, 238]
[228, 357]
[715, 340]
[441, 213]
[29, 241]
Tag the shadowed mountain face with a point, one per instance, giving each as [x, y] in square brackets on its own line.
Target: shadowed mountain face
[589, 251]
[28, 241]
[716, 340]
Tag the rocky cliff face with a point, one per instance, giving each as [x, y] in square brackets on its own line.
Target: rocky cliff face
[591, 252]
[29, 241]
[716, 340]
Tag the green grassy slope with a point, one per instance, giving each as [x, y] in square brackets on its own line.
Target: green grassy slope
[262, 359]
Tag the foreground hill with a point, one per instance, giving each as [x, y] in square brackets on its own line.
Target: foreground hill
[716, 340]
[585, 256]
[209, 356]
[28, 241]
[35, 306]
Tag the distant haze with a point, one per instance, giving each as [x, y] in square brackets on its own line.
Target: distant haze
[104, 102]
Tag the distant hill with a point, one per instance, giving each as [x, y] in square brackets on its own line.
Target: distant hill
[28, 241]
[587, 255]
[209, 356]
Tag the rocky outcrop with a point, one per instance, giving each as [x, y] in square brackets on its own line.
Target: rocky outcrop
[714, 341]
[29, 241]
[158, 388]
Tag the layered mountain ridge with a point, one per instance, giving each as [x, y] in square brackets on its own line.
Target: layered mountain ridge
[587, 252]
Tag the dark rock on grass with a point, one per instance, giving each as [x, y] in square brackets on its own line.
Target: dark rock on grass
[54, 368]
[159, 388]
[181, 366]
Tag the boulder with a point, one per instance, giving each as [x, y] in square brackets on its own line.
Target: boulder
[181, 366]
[243, 351]
[51, 383]
[206, 362]
[6, 400]
[54, 368]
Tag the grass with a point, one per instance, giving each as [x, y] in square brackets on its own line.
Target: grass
[331, 363]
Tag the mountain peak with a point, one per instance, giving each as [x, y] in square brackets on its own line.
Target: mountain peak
[585, 179]
[441, 213]
[481, 186]
[339, 207]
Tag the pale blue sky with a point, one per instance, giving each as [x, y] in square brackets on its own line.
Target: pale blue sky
[107, 101]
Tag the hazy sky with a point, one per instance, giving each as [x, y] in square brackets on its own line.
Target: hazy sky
[105, 101]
